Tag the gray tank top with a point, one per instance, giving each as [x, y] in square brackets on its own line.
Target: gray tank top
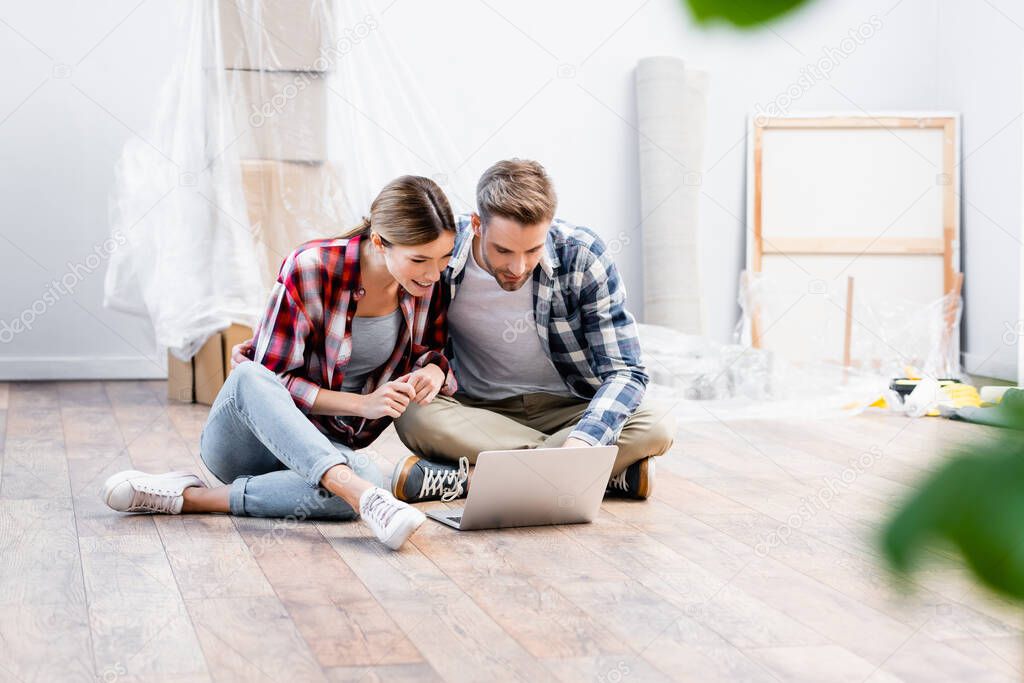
[373, 342]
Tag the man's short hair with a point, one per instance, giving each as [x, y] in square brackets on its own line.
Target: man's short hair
[516, 189]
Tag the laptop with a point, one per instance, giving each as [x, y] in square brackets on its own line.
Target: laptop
[533, 487]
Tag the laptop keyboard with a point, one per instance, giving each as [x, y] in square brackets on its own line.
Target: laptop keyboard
[456, 518]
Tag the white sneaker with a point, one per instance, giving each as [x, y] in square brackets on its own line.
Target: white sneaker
[390, 519]
[134, 491]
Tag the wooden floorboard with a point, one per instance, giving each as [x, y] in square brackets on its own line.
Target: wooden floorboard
[757, 559]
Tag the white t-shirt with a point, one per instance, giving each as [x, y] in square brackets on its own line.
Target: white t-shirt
[498, 352]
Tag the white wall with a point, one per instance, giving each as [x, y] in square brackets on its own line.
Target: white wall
[499, 85]
[980, 46]
[493, 71]
[78, 79]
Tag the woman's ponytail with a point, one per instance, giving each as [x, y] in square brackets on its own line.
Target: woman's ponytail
[361, 230]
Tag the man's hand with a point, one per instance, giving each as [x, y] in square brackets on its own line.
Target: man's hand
[389, 400]
[241, 353]
[575, 443]
[427, 381]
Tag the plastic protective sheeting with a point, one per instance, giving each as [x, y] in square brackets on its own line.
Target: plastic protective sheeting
[705, 381]
[280, 123]
[188, 263]
[889, 335]
[671, 121]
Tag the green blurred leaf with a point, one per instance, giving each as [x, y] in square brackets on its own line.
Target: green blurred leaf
[742, 13]
[975, 503]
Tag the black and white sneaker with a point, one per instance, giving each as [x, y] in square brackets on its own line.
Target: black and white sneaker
[636, 481]
[417, 480]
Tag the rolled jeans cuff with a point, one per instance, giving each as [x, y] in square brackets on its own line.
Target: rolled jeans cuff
[236, 496]
[320, 467]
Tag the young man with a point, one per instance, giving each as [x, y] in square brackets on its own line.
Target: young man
[544, 352]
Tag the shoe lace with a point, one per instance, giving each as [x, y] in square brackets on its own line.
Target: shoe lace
[153, 500]
[449, 484]
[379, 509]
[619, 481]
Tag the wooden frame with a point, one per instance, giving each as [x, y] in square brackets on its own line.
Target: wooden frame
[947, 246]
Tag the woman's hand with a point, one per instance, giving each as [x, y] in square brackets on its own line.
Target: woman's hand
[241, 353]
[389, 400]
[427, 381]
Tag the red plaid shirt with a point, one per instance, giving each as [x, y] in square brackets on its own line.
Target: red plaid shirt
[305, 334]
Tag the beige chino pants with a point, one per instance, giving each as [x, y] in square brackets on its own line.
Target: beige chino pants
[449, 428]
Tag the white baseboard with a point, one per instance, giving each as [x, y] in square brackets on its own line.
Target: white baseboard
[999, 366]
[21, 368]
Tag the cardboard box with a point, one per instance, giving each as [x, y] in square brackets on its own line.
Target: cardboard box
[236, 334]
[288, 204]
[200, 380]
[277, 35]
[208, 368]
[180, 380]
[278, 115]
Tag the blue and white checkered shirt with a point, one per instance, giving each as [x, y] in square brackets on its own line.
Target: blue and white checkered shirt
[581, 318]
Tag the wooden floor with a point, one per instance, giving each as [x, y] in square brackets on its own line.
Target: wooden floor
[754, 561]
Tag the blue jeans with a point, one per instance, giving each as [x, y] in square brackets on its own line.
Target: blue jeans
[257, 439]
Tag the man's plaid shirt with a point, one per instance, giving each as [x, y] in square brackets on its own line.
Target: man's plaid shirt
[580, 315]
[305, 334]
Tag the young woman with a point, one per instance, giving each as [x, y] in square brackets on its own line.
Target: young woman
[352, 334]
